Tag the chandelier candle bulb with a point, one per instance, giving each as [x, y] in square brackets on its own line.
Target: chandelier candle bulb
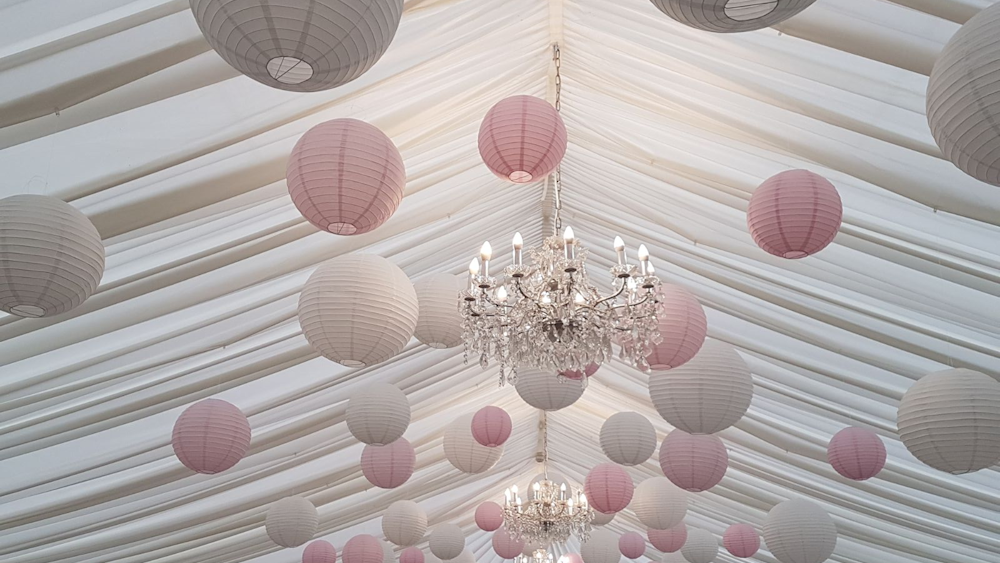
[643, 259]
[518, 245]
[569, 241]
[485, 253]
[620, 250]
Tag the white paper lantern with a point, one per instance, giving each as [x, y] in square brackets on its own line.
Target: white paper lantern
[404, 523]
[447, 541]
[707, 394]
[601, 519]
[731, 16]
[358, 310]
[799, 531]
[628, 438]
[388, 555]
[602, 547]
[950, 420]
[547, 391]
[464, 452]
[700, 547]
[439, 324]
[291, 522]
[301, 46]
[379, 414]
[51, 256]
[963, 97]
[659, 504]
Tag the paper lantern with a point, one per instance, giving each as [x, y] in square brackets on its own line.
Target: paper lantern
[627, 438]
[693, 463]
[700, 547]
[522, 139]
[608, 488]
[741, 540]
[799, 531]
[292, 521]
[388, 466]
[950, 420]
[546, 390]
[388, 555]
[856, 453]
[489, 516]
[963, 98]
[301, 46]
[447, 541]
[731, 16]
[708, 394]
[577, 374]
[659, 504]
[363, 548]
[794, 214]
[346, 177]
[51, 256]
[602, 547]
[631, 545]
[683, 326]
[506, 546]
[491, 426]
[211, 436]
[602, 519]
[464, 452]
[440, 324]
[379, 414]
[358, 310]
[319, 551]
[404, 523]
[411, 555]
[669, 540]
[571, 558]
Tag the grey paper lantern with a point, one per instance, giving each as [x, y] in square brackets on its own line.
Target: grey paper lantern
[447, 541]
[799, 531]
[358, 310]
[602, 547]
[628, 438]
[547, 391]
[301, 46]
[659, 504]
[379, 414]
[464, 452]
[291, 522]
[700, 547]
[404, 523]
[51, 256]
[731, 16]
[439, 324]
[950, 420]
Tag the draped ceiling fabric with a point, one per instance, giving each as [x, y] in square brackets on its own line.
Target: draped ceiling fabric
[120, 108]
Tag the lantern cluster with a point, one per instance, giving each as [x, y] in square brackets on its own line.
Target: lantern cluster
[378, 416]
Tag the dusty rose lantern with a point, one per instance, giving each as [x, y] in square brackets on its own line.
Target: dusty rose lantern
[794, 214]
[522, 139]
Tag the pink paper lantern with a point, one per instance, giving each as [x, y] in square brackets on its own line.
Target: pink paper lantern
[669, 540]
[856, 453]
[346, 177]
[632, 545]
[211, 436]
[491, 426]
[411, 555]
[682, 325]
[608, 488]
[693, 462]
[522, 139]
[489, 516]
[319, 551]
[741, 540]
[505, 546]
[576, 374]
[388, 466]
[794, 214]
[363, 548]
[571, 558]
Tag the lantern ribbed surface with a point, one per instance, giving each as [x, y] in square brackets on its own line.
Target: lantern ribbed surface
[700, 547]
[363, 548]
[505, 546]
[491, 426]
[379, 414]
[602, 547]
[388, 466]
[608, 488]
[628, 438]
[950, 420]
[346, 177]
[464, 452]
[741, 540]
[706, 395]
[731, 16]
[693, 462]
[682, 325]
[794, 214]
[51, 256]
[440, 323]
[856, 453]
[292, 521]
[301, 46]
[358, 310]
[632, 545]
[319, 551]
[547, 391]
[601, 519]
[670, 540]
[447, 541]
[590, 370]
[659, 504]
[211, 436]
[522, 139]
[489, 516]
[411, 555]
[799, 531]
[404, 523]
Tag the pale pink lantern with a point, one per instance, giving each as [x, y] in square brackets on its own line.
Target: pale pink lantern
[505, 546]
[741, 540]
[211, 436]
[319, 551]
[522, 139]
[489, 516]
[491, 426]
[411, 555]
[669, 540]
[576, 374]
[346, 177]
[631, 545]
[856, 453]
[571, 558]
[388, 466]
[794, 214]
[363, 548]
[608, 488]
[693, 462]
[682, 325]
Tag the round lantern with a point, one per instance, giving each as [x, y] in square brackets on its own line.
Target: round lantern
[794, 214]
[464, 452]
[693, 463]
[491, 426]
[571, 558]
[950, 420]
[379, 414]
[669, 540]
[346, 177]
[447, 541]
[798, 531]
[728, 16]
[388, 466]
[489, 516]
[302, 46]
[590, 370]
[627, 438]
[358, 310]
[439, 324]
[51, 256]
[505, 546]
[319, 551]
[700, 547]
[963, 108]
[856, 453]
[547, 391]
[683, 326]
[363, 548]
[404, 523]
[602, 519]
[522, 139]
[608, 488]
[411, 555]
[602, 547]
[706, 395]
[292, 521]
[741, 540]
[631, 545]
[211, 436]
[659, 504]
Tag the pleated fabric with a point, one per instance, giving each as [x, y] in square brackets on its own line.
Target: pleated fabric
[211, 436]
[411, 555]
[319, 551]
[632, 545]
[608, 488]
[660, 506]
[388, 466]
[464, 452]
[794, 214]
[741, 540]
[447, 541]
[799, 531]
[491, 426]
[602, 547]
[363, 548]
[505, 545]
[682, 325]
[856, 453]
[694, 463]
[700, 547]
[669, 540]
[676, 557]
[291, 522]
[439, 324]
[522, 139]
[404, 523]
[731, 16]
[628, 438]
[378, 414]
[547, 391]
[388, 553]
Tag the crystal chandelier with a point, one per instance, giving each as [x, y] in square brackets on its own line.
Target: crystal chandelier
[540, 555]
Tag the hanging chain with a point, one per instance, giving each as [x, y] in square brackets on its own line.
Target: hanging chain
[544, 423]
[557, 220]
